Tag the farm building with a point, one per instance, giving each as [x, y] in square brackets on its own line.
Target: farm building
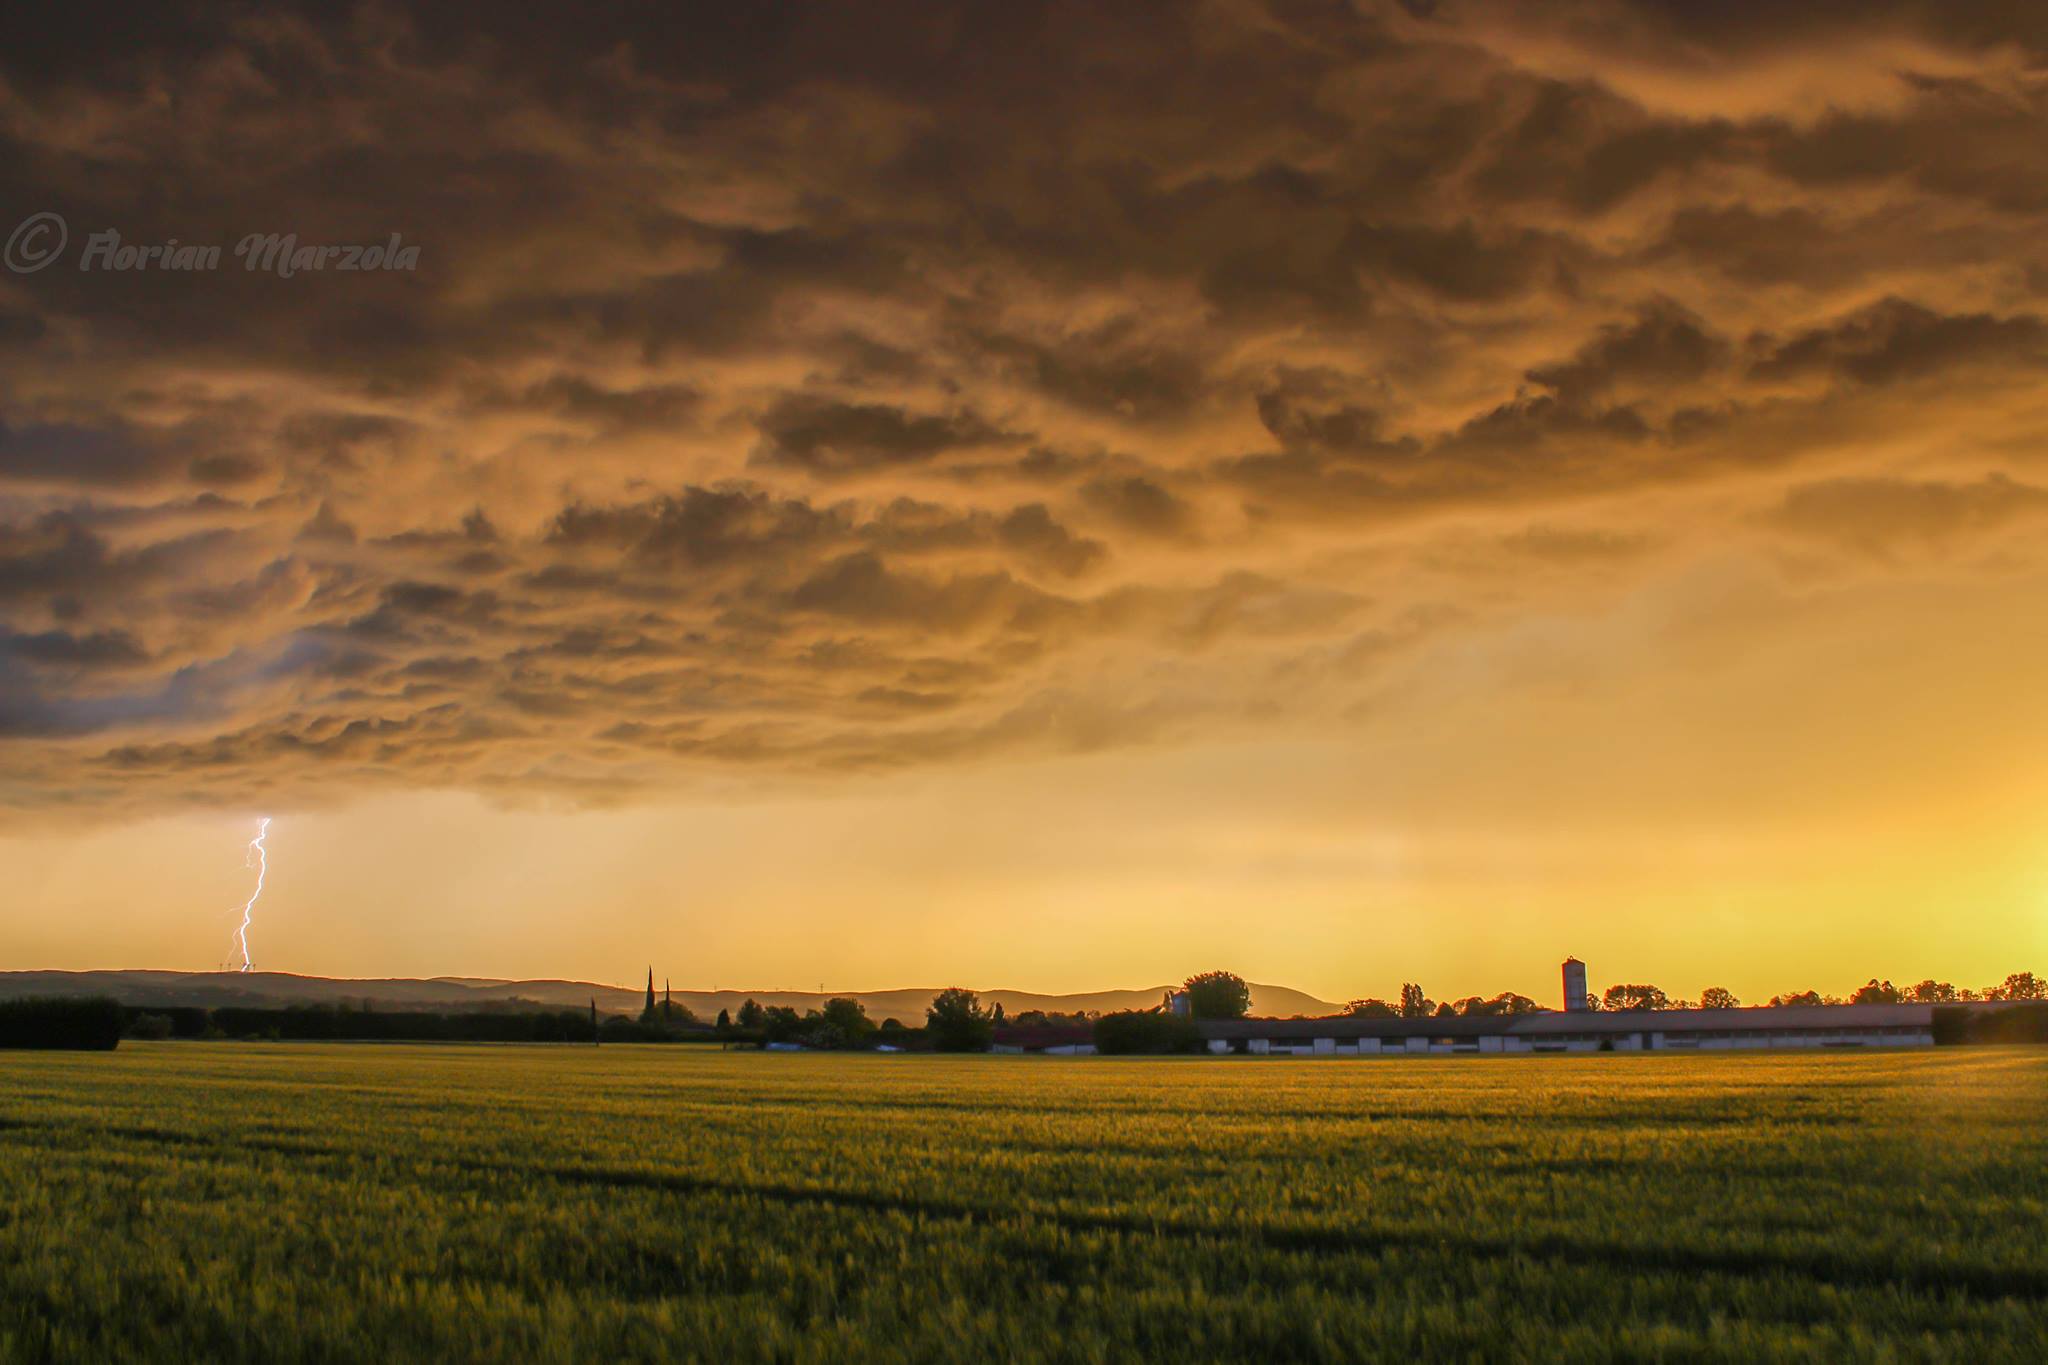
[1581, 1031]
[1052, 1040]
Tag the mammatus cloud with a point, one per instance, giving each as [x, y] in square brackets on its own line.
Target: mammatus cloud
[867, 390]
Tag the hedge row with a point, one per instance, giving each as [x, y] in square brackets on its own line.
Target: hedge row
[2020, 1022]
[79, 1025]
[78, 1022]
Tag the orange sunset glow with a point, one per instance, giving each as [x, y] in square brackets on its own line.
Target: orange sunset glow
[1039, 497]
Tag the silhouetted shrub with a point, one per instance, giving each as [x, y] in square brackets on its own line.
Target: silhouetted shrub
[189, 1021]
[150, 1027]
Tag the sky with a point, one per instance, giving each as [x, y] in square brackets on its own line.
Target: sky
[1049, 496]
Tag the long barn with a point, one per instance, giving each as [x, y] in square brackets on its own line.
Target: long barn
[1814, 1026]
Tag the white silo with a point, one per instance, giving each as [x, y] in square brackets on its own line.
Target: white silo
[1575, 996]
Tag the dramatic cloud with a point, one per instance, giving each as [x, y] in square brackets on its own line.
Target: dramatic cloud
[832, 389]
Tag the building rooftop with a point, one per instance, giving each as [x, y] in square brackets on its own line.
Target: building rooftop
[1576, 1021]
[1745, 1017]
[1347, 1026]
[1044, 1035]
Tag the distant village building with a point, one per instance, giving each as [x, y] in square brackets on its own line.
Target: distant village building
[1581, 1026]
[1808, 1026]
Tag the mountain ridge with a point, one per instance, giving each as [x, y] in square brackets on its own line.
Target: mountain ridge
[154, 987]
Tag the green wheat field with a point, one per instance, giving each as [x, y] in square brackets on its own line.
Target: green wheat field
[282, 1202]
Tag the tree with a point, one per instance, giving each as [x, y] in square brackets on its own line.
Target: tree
[1145, 1031]
[1801, 998]
[821, 1035]
[724, 1024]
[752, 1016]
[1876, 992]
[779, 1023]
[1371, 1009]
[1932, 992]
[1633, 997]
[1218, 995]
[849, 1016]
[2024, 986]
[1414, 1004]
[1507, 1003]
[1482, 1007]
[956, 1022]
[1718, 998]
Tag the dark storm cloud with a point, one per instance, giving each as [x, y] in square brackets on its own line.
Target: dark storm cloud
[104, 649]
[1111, 369]
[1897, 340]
[654, 407]
[59, 557]
[701, 527]
[1584, 149]
[1326, 410]
[744, 527]
[1663, 344]
[1139, 504]
[861, 587]
[848, 388]
[68, 455]
[832, 438]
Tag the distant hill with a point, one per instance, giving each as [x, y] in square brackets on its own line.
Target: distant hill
[215, 989]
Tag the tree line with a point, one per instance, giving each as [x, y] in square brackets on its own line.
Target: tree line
[955, 1021]
[1413, 1004]
[2019, 987]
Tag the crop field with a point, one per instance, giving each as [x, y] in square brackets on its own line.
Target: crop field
[331, 1202]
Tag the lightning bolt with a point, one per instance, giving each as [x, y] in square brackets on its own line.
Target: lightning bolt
[260, 860]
